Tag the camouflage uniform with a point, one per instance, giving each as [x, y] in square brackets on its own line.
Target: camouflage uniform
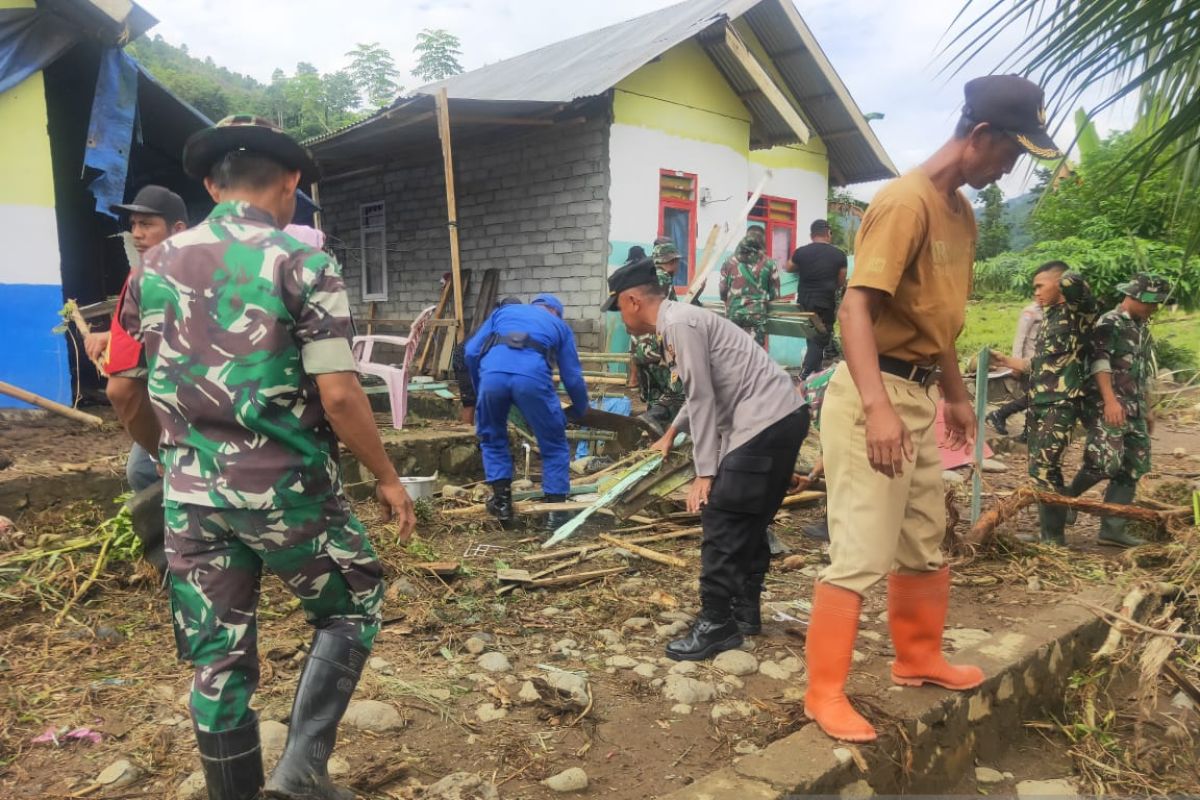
[748, 282]
[236, 316]
[1056, 380]
[1121, 346]
[656, 383]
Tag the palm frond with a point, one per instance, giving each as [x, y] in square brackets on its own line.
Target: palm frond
[1143, 49]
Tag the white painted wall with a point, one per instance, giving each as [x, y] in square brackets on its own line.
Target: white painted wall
[637, 154]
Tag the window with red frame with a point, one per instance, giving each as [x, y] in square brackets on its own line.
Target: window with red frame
[677, 217]
[778, 216]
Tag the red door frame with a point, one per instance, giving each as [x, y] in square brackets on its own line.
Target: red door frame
[683, 205]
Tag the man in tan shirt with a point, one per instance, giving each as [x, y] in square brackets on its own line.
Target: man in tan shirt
[903, 310]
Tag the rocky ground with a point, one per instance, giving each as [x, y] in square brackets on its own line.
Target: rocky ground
[471, 693]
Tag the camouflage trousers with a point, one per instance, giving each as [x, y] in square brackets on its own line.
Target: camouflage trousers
[656, 384]
[756, 329]
[1050, 429]
[1121, 454]
[216, 556]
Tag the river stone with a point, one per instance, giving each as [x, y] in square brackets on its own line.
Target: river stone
[637, 623]
[528, 693]
[193, 787]
[475, 646]
[569, 780]
[644, 670]
[462, 786]
[118, 774]
[988, 776]
[682, 709]
[486, 712]
[272, 736]
[682, 689]
[736, 662]
[621, 662]
[738, 709]
[374, 716]
[994, 465]
[494, 662]
[953, 476]
[575, 685]
[774, 671]
[608, 636]
[685, 668]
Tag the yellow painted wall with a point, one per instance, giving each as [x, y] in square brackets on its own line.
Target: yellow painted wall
[790, 156]
[683, 94]
[26, 177]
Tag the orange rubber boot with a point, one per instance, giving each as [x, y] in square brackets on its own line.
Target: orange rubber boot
[916, 616]
[829, 648]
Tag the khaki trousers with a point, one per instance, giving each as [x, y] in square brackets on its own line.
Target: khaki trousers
[879, 524]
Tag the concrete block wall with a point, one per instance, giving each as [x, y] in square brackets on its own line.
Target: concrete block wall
[533, 204]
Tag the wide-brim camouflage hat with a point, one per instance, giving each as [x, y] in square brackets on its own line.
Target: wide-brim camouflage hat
[246, 132]
[1147, 288]
[665, 253]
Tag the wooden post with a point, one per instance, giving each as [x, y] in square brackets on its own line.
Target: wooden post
[738, 230]
[49, 405]
[443, 117]
[981, 387]
[314, 191]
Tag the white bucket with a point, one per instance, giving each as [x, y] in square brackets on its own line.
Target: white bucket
[419, 488]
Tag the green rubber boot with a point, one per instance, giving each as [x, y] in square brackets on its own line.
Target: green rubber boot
[1112, 529]
[1083, 481]
[1053, 520]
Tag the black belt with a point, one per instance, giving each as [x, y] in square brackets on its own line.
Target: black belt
[910, 372]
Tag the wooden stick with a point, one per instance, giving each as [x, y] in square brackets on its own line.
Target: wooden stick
[1006, 509]
[701, 276]
[575, 577]
[572, 551]
[49, 405]
[1183, 683]
[1108, 612]
[644, 552]
[85, 331]
[443, 117]
[524, 508]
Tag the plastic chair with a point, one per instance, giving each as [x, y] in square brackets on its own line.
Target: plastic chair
[395, 376]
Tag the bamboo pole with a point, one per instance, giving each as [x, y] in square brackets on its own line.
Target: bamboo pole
[443, 118]
[644, 552]
[49, 405]
[85, 331]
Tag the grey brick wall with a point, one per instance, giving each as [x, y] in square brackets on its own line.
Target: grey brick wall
[533, 205]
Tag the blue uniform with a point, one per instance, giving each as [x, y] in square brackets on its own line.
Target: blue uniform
[507, 375]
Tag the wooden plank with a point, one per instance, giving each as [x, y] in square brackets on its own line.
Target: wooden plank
[443, 569]
[632, 476]
[763, 81]
[644, 552]
[575, 577]
[437, 315]
[737, 229]
[49, 405]
[443, 117]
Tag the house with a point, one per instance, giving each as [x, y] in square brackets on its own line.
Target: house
[567, 156]
[82, 127]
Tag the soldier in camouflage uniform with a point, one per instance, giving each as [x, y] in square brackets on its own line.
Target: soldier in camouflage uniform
[1057, 373]
[660, 389]
[1117, 408]
[748, 283]
[252, 382]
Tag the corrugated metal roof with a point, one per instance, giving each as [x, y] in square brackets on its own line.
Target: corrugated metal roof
[591, 64]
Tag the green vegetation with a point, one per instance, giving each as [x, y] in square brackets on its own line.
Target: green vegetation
[305, 103]
[993, 229]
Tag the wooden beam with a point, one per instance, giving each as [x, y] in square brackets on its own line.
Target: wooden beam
[467, 119]
[443, 117]
[770, 91]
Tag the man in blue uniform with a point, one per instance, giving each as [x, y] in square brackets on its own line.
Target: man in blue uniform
[511, 359]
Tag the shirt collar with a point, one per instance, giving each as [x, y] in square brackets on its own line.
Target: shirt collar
[240, 209]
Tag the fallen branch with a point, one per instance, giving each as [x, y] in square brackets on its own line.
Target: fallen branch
[49, 405]
[1108, 612]
[985, 528]
[572, 551]
[574, 577]
[644, 552]
[87, 584]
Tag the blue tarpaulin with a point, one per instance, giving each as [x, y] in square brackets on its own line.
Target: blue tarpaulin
[110, 131]
[30, 40]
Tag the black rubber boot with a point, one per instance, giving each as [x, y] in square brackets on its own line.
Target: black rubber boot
[330, 674]
[556, 519]
[747, 608]
[1053, 520]
[1112, 529]
[709, 635]
[1082, 482]
[500, 505]
[232, 762]
[998, 422]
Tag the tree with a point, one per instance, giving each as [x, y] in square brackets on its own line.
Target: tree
[1148, 49]
[374, 73]
[341, 98]
[993, 230]
[437, 55]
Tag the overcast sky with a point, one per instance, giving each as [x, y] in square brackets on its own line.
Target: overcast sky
[887, 52]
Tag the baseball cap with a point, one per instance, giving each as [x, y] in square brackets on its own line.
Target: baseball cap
[1147, 288]
[639, 273]
[665, 252]
[550, 301]
[1014, 105]
[159, 201]
[245, 132]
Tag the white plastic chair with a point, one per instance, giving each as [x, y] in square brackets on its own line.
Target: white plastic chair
[394, 376]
